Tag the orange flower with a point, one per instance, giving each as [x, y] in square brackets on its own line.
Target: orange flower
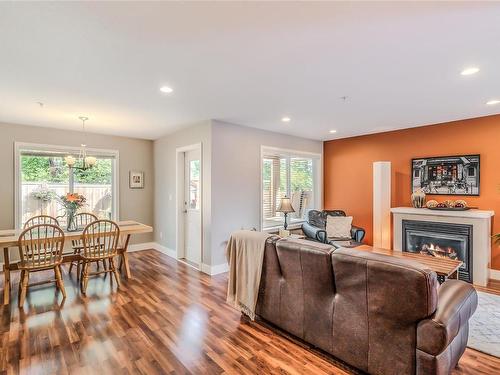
[72, 197]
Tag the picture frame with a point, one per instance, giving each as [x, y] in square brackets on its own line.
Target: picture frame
[136, 180]
[446, 175]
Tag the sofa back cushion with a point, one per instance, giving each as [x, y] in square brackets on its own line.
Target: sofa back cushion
[297, 291]
[378, 304]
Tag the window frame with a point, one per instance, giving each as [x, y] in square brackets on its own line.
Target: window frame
[317, 180]
[19, 147]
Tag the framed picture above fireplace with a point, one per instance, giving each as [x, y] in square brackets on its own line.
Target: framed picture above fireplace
[446, 175]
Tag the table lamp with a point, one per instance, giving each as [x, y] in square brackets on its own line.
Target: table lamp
[286, 208]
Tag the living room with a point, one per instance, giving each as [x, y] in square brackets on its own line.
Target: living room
[250, 187]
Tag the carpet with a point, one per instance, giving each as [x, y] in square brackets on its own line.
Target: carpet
[484, 329]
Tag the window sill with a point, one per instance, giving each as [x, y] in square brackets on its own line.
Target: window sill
[291, 226]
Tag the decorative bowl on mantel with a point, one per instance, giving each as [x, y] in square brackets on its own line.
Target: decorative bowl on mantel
[448, 205]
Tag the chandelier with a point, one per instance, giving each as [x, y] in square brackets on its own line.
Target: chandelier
[83, 162]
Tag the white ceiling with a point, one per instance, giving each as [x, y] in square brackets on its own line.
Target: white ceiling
[247, 63]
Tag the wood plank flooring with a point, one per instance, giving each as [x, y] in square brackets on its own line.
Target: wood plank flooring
[168, 319]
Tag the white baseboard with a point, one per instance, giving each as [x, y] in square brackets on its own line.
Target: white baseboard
[165, 250]
[142, 246]
[494, 274]
[215, 270]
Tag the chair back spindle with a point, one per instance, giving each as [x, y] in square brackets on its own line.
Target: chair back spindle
[82, 220]
[41, 246]
[100, 240]
[41, 219]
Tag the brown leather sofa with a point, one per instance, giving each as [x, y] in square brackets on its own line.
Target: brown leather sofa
[376, 313]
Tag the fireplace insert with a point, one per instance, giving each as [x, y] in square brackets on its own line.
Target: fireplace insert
[445, 240]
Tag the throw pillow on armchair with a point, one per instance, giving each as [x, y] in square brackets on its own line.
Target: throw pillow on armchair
[339, 227]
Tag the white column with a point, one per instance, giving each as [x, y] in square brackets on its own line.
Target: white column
[382, 204]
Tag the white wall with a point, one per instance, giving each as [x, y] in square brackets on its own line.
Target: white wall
[236, 168]
[165, 189]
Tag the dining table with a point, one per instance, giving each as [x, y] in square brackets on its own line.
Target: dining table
[9, 242]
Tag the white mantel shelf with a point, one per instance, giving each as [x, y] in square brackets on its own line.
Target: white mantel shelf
[470, 214]
[480, 221]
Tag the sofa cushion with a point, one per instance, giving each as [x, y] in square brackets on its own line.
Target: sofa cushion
[339, 226]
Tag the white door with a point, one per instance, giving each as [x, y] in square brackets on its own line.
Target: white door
[192, 207]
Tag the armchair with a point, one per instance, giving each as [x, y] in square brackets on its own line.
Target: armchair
[315, 227]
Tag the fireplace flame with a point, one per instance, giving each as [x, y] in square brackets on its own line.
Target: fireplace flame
[438, 251]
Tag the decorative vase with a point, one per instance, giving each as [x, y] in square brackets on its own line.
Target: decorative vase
[71, 220]
[418, 199]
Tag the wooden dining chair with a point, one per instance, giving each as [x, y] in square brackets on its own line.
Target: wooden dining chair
[41, 219]
[100, 242]
[40, 249]
[81, 220]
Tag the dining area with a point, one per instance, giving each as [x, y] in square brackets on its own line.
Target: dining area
[86, 248]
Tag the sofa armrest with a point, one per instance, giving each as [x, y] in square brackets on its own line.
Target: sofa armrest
[315, 233]
[457, 302]
[357, 233]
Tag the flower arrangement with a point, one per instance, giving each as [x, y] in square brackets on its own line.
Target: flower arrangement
[44, 194]
[72, 201]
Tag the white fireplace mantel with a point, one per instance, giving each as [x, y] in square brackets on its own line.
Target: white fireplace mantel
[481, 233]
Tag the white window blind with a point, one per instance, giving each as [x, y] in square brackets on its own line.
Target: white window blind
[289, 174]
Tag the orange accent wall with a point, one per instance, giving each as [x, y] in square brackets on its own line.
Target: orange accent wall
[348, 167]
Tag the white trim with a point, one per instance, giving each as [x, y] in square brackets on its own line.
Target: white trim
[214, 270]
[165, 250]
[179, 192]
[289, 151]
[494, 274]
[18, 146]
[317, 176]
[291, 226]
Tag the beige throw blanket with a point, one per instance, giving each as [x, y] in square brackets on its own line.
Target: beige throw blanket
[245, 254]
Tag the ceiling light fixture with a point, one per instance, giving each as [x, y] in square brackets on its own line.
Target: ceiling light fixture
[286, 119]
[493, 102]
[469, 71]
[84, 161]
[166, 89]
[333, 131]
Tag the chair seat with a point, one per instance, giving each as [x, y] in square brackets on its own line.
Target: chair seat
[98, 257]
[27, 266]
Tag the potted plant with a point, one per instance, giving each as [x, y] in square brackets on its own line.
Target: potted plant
[43, 195]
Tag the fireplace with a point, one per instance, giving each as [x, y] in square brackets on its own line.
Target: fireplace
[440, 240]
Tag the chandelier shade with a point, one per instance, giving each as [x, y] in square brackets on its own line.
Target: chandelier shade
[82, 161]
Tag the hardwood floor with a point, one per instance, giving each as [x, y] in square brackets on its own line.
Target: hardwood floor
[168, 319]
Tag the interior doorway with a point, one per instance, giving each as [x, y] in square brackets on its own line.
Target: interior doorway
[189, 205]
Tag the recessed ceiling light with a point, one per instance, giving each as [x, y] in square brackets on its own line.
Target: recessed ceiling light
[333, 131]
[493, 102]
[166, 89]
[286, 119]
[469, 71]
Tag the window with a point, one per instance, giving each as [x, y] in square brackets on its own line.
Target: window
[43, 176]
[194, 184]
[292, 174]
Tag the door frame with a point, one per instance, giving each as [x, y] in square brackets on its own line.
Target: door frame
[179, 203]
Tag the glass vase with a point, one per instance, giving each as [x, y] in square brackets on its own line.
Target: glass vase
[71, 220]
